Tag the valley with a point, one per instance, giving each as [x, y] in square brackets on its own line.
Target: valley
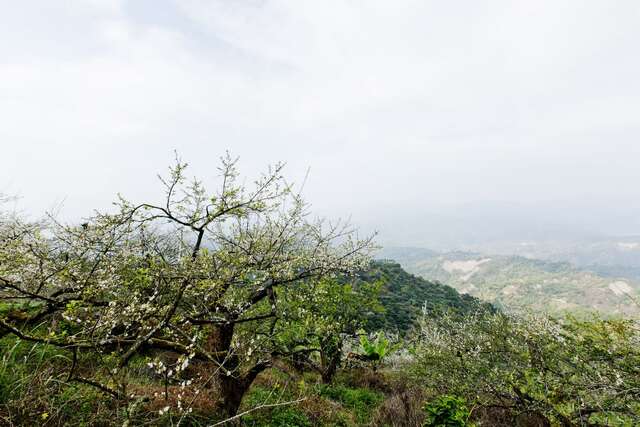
[516, 282]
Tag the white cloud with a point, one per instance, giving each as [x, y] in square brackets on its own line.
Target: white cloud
[414, 102]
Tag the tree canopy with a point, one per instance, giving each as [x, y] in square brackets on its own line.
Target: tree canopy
[193, 279]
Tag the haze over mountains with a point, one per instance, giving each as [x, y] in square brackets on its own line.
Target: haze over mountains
[518, 283]
[504, 225]
[564, 256]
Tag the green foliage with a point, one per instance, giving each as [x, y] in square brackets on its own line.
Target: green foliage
[278, 417]
[201, 277]
[325, 405]
[319, 315]
[288, 417]
[361, 400]
[446, 411]
[324, 308]
[282, 416]
[569, 370]
[33, 390]
[404, 296]
[378, 348]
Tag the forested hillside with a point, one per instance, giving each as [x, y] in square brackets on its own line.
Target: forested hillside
[404, 296]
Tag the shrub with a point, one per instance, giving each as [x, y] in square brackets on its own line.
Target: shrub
[568, 371]
[447, 411]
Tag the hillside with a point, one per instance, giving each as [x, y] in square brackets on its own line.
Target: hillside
[610, 256]
[515, 282]
[404, 295]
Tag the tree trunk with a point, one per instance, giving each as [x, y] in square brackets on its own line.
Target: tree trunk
[232, 384]
[330, 357]
[233, 388]
[300, 362]
[232, 391]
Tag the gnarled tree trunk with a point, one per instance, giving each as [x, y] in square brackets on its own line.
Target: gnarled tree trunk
[231, 383]
[330, 357]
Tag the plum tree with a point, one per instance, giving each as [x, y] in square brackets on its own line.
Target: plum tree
[192, 281]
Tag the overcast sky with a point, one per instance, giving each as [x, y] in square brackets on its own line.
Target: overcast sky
[393, 105]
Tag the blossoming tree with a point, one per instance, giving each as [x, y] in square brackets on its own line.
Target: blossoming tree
[191, 283]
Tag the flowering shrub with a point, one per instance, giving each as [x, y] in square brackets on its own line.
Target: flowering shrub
[191, 282]
[572, 371]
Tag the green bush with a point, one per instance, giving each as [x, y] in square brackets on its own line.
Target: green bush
[567, 370]
[446, 411]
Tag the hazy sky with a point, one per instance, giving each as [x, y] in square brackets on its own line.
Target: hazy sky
[394, 105]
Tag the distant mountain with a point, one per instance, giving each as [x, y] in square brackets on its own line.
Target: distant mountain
[404, 295]
[611, 256]
[515, 282]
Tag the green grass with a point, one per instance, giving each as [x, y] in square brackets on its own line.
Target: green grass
[361, 401]
[328, 405]
[34, 390]
[282, 416]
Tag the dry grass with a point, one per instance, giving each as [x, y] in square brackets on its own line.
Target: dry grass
[361, 377]
[401, 408]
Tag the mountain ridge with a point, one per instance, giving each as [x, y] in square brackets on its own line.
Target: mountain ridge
[515, 282]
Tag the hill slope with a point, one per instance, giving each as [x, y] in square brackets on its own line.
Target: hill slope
[404, 295]
[515, 282]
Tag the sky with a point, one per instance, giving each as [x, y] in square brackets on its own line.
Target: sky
[402, 111]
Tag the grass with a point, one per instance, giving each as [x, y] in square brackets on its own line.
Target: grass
[326, 405]
[361, 401]
[282, 416]
[34, 391]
